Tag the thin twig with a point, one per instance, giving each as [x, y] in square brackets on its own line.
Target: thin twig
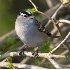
[54, 63]
[64, 21]
[66, 66]
[33, 4]
[40, 11]
[60, 43]
[53, 17]
[63, 53]
[50, 3]
[25, 60]
[57, 42]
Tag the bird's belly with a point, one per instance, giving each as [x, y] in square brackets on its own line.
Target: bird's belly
[34, 42]
[31, 37]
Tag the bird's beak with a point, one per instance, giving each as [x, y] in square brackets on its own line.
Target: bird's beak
[31, 17]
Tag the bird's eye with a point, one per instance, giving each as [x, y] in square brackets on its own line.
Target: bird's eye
[25, 16]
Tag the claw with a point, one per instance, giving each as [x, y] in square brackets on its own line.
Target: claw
[35, 53]
[22, 51]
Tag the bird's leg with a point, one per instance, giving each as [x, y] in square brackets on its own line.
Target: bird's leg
[35, 53]
[22, 50]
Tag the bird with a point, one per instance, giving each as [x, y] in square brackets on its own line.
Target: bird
[30, 31]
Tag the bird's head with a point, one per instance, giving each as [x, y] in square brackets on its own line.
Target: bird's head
[25, 14]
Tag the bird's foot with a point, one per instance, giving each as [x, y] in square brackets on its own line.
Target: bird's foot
[35, 53]
[22, 51]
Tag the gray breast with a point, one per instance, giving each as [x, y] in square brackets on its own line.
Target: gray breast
[29, 33]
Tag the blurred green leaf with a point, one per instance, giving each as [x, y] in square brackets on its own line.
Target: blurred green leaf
[10, 66]
[46, 47]
[1, 52]
[9, 59]
[12, 49]
[38, 61]
[10, 41]
[32, 10]
[2, 46]
[39, 16]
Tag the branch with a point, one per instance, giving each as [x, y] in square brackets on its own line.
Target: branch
[40, 11]
[60, 43]
[24, 60]
[53, 17]
[65, 66]
[18, 65]
[49, 3]
[64, 21]
[63, 53]
[54, 42]
[11, 34]
[44, 55]
[33, 5]
[55, 64]
[52, 3]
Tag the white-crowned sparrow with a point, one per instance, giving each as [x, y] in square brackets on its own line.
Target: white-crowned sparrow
[29, 30]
